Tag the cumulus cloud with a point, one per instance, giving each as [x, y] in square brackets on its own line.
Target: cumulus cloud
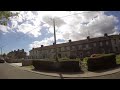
[73, 26]
[79, 26]
[45, 42]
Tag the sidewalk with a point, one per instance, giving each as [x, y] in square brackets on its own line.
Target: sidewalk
[70, 75]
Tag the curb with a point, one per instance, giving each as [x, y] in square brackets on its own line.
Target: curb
[64, 75]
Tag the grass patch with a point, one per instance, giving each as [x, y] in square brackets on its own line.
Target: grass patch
[31, 66]
[118, 59]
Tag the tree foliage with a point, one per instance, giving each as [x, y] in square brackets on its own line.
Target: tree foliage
[4, 16]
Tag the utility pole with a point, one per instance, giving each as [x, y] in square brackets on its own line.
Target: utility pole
[55, 41]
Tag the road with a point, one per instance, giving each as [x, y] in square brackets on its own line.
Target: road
[10, 72]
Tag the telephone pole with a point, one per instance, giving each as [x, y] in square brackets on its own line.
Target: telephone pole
[56, 58]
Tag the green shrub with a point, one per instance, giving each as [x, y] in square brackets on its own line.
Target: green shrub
[26, 62]
[100, 62]
[118, 59]
[67, 66]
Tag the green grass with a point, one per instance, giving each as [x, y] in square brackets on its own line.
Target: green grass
[31, 66]
[118, 59]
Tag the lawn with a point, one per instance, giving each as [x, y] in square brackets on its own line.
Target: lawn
[30, 67]
[118, 59]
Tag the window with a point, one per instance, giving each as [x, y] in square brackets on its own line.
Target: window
[116, 48]
[114, 41]
[107, 42]
[59, 49]
[88, 53]
[73, 47]
[62, 49]
[67, 48]
[101, 44]
[80, 46]
[94, 44]
[103, 51]
[87, 45]
[52, 50]
[59, 55]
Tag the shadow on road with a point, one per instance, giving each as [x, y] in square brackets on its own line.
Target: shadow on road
[101, 71]
[59, 73]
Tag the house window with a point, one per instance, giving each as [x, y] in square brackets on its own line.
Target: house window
[80, 47]
[73, 47]
[67, 48]
[103, 51]
[59, 55]
[62, 49]
[101, 44]
[87, 46]
[107, 42]
[115, 41]
[94, 44]
[116, 48]
[88, 53]
[59, 49]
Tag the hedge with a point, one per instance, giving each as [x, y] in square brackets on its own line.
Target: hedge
[101, 62]
[62, 66]
[26, 62]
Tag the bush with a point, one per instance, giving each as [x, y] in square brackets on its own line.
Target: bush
[118, 59]
[67, 66]
[26, 62]
[43, 65]
[100, 62]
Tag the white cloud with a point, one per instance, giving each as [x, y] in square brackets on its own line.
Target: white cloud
[75, 27]
[45, 42]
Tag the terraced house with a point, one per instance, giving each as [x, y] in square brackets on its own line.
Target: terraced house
[79, 49]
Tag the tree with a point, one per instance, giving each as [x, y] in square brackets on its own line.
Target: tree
[4, 55]
[4, 16]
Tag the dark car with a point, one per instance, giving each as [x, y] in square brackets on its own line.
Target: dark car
[2, 60]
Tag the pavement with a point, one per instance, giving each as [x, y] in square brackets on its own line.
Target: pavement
[71, 75]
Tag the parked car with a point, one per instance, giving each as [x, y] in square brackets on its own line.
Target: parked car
[2, 60]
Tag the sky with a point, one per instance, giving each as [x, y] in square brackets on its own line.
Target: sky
[31, 29]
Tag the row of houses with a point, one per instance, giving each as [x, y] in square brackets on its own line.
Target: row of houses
[17, 54]
[78, 49]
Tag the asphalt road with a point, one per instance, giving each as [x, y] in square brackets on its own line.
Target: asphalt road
[9, 72]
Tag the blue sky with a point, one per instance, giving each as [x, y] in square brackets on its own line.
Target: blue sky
[32, 29]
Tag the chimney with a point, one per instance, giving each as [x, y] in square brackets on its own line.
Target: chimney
[22, 50]
[88, 37]
[105, 35]
[41, 45]
[70, 40]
